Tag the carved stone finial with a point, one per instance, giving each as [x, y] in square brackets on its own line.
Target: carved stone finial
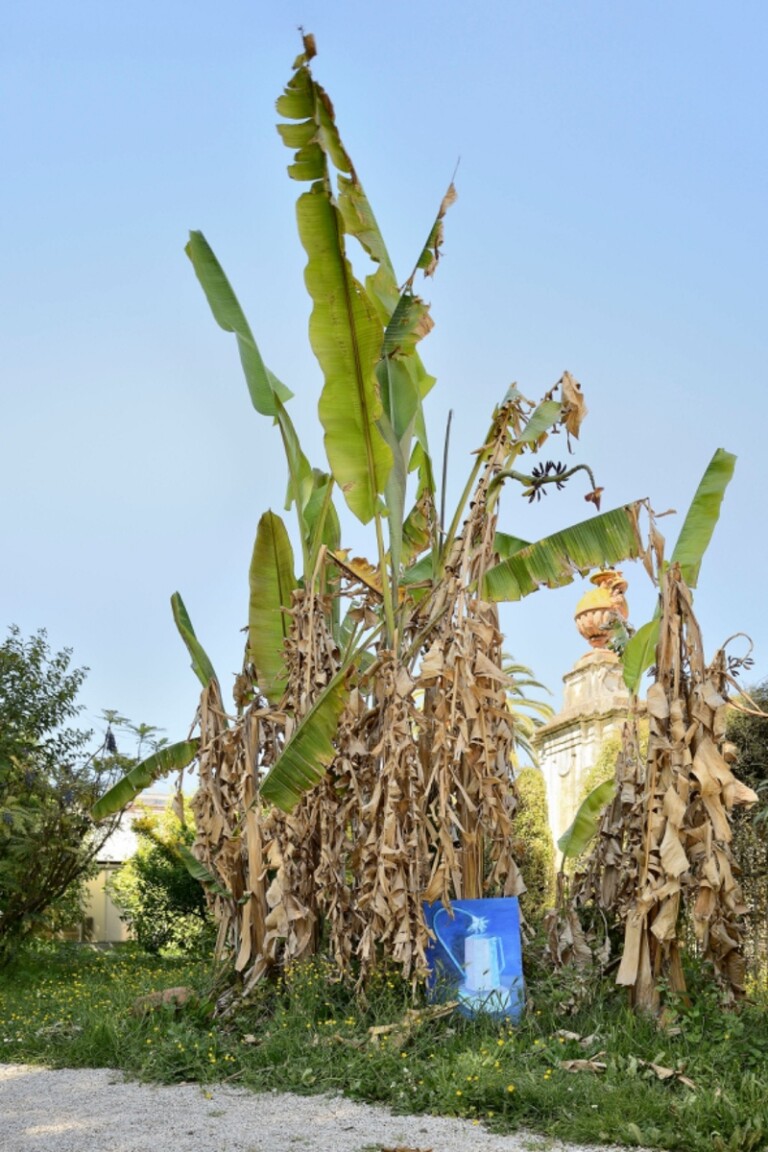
[599, 608]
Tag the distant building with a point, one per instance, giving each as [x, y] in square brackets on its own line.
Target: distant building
[102, 924]
[595, 703]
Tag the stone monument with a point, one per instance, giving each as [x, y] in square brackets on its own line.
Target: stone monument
[595, 702]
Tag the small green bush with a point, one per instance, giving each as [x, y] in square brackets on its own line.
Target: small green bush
[534, 847]
[164, 905]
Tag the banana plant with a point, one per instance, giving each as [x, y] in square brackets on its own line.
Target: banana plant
[583, 828]
[692, 542]
[366, 335]
[640, 652]
[374, 706]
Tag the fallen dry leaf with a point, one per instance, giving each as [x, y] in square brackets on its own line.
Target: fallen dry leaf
[583, 1065]
[667, 1073]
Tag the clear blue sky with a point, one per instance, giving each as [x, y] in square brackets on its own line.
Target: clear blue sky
[611, 220]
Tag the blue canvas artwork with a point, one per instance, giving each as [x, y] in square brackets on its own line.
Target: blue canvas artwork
[476, 956]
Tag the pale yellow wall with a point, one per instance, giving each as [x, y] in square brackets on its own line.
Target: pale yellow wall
[107, 925]
[595, 705]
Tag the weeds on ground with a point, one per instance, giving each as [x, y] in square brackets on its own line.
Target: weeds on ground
[595, 1073]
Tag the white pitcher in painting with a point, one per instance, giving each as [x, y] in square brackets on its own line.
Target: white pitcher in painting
[482, 966]
[483, 958]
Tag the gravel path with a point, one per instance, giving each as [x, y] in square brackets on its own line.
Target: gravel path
[42, 1110]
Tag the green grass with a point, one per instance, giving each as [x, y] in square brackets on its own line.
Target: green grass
[72, 1007]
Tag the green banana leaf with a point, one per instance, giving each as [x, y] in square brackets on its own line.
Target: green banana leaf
[507, 545]
[403, 385]
[601, 541]
[419, 572]
[320, 514]
[702, 516]
[429, 256]
[408, 323]
[344, 329]
[200, 873]
[403, 317]
[693, 541]
[170, 759]
[640, 653]
[267, 393]
[346, 337]
[587, 820]
[263, 385]
[360, 222]
[540, 422]
[201, 665]
[309, 751]
[395, 491]
[272, 581]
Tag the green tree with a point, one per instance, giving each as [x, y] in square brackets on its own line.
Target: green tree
[155, 891]
[749, 732]
[535, 849]
[48, 785]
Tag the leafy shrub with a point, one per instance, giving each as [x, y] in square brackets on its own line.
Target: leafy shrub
[48, 785]
[534, 847]
[156, 894]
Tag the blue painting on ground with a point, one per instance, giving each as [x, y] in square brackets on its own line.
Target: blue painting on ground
[475, 956]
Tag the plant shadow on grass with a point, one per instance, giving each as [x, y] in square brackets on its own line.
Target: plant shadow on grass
[306, 1032]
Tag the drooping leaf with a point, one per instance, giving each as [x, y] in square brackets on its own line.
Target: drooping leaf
[172, 758]
[587, 820]
[430, 253]
[321, 516]
[309, 751]
[360, 222]
[311, 490]
[702, 516]
[268, 395]
[200, 873]
[201, 665]
[599, 542]
[409, 323]
[418, 573]
[400, 400]
[574, 407]
[540, 422]
[418, 528]
[300, 480]
[692, 543]
[263, 385]
[272, 581]
[639, 653]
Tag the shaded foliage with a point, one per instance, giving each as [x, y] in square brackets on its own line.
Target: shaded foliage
[534, 848]
[750, 831]
[48, 785]
[750, 735]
